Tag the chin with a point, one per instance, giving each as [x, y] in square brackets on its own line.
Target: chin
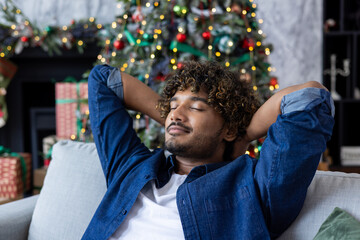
[176, 149]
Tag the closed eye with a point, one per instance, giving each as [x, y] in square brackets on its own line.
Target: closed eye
[197, 109]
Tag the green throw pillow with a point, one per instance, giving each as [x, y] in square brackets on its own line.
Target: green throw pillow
[340, 225]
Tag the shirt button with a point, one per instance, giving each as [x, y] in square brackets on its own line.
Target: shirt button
[124, 212]
[183, 201]
[147, 176]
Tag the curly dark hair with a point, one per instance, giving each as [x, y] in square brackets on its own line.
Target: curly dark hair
[234, 99]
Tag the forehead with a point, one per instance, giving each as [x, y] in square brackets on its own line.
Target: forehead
[187, 92]
[189, 95]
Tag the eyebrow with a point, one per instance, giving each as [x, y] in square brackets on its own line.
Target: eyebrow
[195, 99]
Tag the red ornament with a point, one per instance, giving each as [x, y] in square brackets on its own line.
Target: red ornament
[24, 39]
[119, 44]
[180, 65]
[181, 37]
[137, 16]
[273, 81]
[248, 43]
[1, 113]
[161, 77]
[72, 22]
[206, 35]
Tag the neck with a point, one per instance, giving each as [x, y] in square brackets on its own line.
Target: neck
[185, 165]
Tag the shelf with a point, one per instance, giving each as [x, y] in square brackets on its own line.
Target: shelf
[343, 40]
[344, 13]
[348, 100]
[347, 169]
[341, 33]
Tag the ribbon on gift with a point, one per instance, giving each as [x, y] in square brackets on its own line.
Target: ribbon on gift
[4, 152]
[78, 101]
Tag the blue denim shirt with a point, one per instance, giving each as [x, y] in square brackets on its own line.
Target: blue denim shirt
[241, 199]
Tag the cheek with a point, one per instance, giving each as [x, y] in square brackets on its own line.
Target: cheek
[207, 123]
[167, 122]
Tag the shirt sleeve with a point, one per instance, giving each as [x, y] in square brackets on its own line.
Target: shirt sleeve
[291, 153]
[116, 141]
[302, 99]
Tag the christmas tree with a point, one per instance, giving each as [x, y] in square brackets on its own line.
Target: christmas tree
[151, 38]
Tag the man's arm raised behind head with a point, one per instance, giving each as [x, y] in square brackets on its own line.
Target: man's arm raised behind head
[139, 97]
[266, 115]
[110, 94]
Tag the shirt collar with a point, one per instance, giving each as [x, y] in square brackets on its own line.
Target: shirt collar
[167, 169]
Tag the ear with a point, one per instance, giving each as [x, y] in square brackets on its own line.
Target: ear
[229, 135]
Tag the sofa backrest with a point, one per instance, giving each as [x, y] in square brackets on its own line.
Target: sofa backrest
[75, 184]
[73, 188]
[327, 191]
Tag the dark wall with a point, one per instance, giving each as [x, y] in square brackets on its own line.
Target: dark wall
[32, 87]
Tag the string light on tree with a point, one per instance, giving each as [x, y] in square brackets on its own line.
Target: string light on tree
[152, 33]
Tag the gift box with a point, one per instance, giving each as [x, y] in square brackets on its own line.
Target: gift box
[72, 110]
[15, 174]
[4, 200]
[39, 176]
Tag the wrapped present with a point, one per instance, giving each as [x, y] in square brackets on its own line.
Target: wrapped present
[72, 110]
[4, 200]
[39, 176]
[28, 163]
[15, 173]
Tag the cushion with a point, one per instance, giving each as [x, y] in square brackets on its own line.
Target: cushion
[339, 225]
[73, 188]
[327, 191]
[15, 218]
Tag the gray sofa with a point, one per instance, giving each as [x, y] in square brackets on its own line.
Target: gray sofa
[74, 186]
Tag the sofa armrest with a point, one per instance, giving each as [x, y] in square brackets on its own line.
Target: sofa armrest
[15, 218]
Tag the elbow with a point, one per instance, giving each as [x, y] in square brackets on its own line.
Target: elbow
[314, 84]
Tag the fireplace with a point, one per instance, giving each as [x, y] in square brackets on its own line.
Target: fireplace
[32, 92]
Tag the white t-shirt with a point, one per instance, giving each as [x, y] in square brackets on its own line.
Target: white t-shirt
[154, 214]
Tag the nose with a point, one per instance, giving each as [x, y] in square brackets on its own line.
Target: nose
[177, 114]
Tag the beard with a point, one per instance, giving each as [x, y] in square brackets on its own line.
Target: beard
[201, 146]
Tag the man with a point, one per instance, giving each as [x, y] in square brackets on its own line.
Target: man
[207, 189]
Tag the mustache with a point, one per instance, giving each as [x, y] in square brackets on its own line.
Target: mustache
[180, 125]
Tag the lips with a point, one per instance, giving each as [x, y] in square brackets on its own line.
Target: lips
[177, 128]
